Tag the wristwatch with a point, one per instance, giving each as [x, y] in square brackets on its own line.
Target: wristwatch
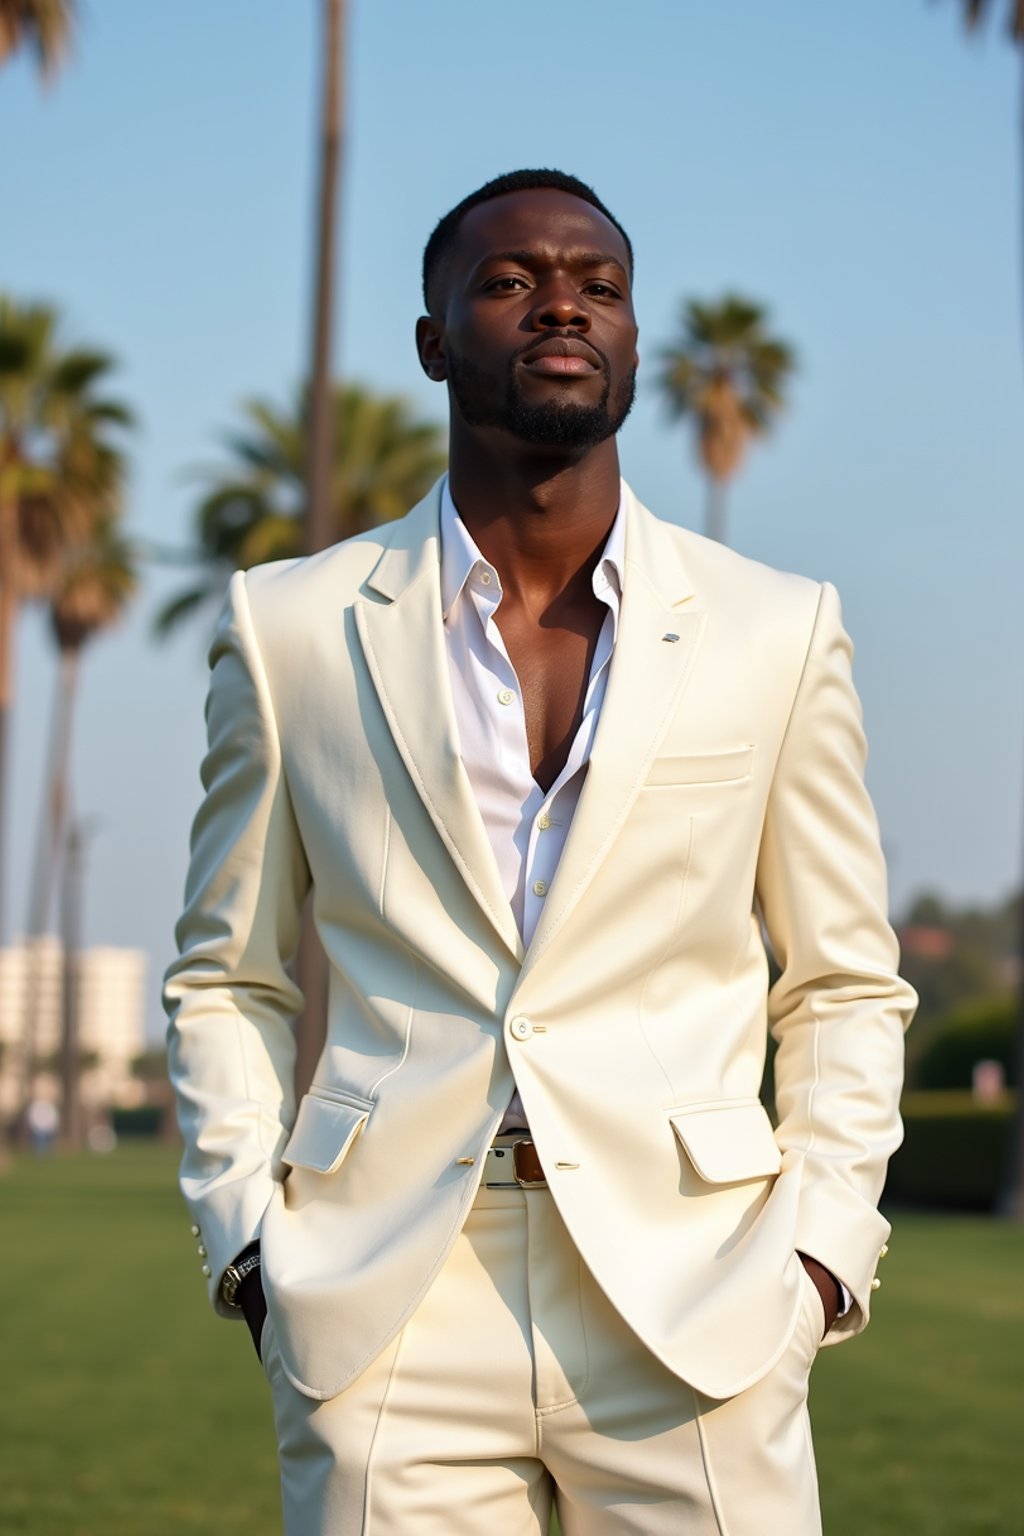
[247, 1261]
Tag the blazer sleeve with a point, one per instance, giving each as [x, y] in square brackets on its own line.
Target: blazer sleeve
[229, 997]
[839, 1008]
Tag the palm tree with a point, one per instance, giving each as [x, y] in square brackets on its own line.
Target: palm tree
[95, 579]
[45, 26]
[728, 374]
[254, 510]
[99, 577]
[57, 431]
[98, 580]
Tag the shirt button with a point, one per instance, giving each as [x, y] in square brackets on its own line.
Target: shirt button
[540, 887]
[506, 696]
[485, 578]
[543, 822]
[522, 1029]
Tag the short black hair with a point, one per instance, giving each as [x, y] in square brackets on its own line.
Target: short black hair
[442, 241]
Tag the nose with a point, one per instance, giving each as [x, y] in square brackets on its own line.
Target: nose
[560, 308]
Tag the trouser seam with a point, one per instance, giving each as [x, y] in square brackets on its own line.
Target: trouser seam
[365, 1527]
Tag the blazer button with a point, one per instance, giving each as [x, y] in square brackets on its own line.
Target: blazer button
[206, 1271]
[522, 1029]
[876, 1284]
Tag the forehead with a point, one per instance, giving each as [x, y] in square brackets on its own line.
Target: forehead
[543, 219]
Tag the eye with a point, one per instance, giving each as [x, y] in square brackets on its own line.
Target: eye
[602, 290]
[509, 283]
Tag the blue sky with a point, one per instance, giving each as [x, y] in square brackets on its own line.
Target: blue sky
[855, 168]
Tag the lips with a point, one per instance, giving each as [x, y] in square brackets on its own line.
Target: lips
[562, 356]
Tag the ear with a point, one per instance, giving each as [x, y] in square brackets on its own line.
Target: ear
[430, 346]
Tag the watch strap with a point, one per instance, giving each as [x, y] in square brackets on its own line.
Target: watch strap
[243, 1266]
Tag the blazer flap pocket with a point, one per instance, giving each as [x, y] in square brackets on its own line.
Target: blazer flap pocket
[324, 1130]
[727, 1143]
[702, 767]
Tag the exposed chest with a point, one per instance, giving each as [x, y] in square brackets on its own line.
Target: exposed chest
[552, 662]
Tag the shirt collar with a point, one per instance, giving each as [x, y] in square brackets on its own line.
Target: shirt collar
[460, 557]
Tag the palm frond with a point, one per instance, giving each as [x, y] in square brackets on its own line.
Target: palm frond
[45, 26]
[728, 374]
[253, 507]
[172, 614]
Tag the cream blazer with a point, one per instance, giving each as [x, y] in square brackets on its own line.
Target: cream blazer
[724, 802]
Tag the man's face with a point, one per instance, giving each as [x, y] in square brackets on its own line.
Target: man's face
[534, 328]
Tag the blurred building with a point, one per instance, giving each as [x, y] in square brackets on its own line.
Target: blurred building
[111, 987]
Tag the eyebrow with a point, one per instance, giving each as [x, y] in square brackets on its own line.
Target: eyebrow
[587, 259]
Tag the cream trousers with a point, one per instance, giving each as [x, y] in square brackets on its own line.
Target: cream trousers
[515, 1383]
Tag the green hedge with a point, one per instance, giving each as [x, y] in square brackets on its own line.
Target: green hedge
[984, 1030]
[147, 1120]
[955, 1154]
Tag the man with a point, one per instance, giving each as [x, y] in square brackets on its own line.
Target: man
[552, 769]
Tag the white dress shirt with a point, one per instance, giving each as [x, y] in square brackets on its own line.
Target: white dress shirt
[526, 826]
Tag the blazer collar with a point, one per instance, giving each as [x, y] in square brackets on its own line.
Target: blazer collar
[414, 543]
[403, 642]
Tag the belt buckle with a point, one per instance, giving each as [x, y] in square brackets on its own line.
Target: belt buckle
[522, 1182]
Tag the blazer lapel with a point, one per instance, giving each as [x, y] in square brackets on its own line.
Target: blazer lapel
[403, 641]
[655, 649]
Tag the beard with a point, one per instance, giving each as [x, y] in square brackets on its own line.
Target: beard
[558, 423]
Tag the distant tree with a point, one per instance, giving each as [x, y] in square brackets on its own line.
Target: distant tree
[58, 446]
[929, 910]
[728, 375]
[45, 26]
[98, 579]
[976, 961]
[385, 460]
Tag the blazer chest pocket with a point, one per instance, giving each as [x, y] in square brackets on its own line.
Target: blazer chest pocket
[325, 1129]
[728, 1142]
[702, 768]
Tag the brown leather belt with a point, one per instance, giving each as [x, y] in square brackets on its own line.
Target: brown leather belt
[514, 1163]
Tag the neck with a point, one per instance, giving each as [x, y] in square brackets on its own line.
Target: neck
[538, 515]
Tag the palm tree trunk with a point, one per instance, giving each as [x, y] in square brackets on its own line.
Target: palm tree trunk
[51, 832]
[318, 517]
[71, 1126]
[715, 527]
[312, 963]
[1011, 1204]
[55, 806]
[8, 619]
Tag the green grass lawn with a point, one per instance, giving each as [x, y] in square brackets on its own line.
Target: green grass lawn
[129, 1410]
